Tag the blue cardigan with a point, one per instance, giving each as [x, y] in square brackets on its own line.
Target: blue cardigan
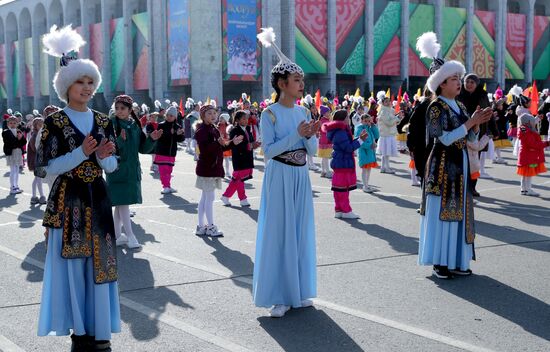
[343, 145]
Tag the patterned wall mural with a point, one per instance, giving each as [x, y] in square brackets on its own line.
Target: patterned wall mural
[96, 48]
[516, 27]
[311, 35]
[541, 48]
[387, 43]
[350, 39]
[140, 44]
[15, 64]
[421, 20]
[118, 47]
[3, 93]
[453, 38]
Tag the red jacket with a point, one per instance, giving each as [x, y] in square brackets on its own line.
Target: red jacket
[531, 149]
[210, 163]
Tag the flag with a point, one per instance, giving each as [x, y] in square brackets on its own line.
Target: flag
[273, 96]
[207, 101]
[485, 86]
[388, 93]
[419, 92]
[336, 100]
[181, 106]
[357, 93]
[534, 99]
[318, 100]
[398, 105]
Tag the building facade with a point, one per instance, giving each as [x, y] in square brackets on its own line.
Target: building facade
[169, 49]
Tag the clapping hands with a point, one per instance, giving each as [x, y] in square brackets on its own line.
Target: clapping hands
[155, 135]
[309, 129]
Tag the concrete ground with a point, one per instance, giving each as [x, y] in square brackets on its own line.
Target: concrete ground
[185, 293]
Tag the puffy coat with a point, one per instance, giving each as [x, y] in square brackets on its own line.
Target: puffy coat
[387, 122]
[343, 145]
[531, 149]
[366, 153]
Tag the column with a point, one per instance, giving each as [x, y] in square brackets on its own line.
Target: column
[22, 75]
[500, 40]
[469, 35]
[206, 56]
[368, 76]
[328, 82]
[127, 11]
[9, 68]
[405, 43]
[158, 50]
[106, 12]
[528, 68]
[85, 20]
[438, 16]
[37, 103]
[271, 17]
[288, 23]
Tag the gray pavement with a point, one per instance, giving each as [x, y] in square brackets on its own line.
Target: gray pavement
[184, 293]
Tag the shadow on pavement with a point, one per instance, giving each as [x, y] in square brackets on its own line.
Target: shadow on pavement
[134, 274]
[175, 202]
[511, 235]
[530, 214]
[142, 236]
[308, 329]
[240, 264]
[8, 201]
[35, 211]
[397, 241]
[399, 201]
[532, 314]
[38, 253]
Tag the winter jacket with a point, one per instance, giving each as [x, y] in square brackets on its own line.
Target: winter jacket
[416, 139]
[474, 147]
[366, 153]
[210, 163]
[343, 145]
[11, 142]
[531, 149]
[167, 144]
[387, 122]
[242, 154]
[324, 143]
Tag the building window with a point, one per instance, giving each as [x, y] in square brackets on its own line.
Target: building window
[513, 7]
[482, 5]
[540, 10]
[452, 3]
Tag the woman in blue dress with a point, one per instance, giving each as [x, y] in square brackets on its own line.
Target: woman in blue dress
[447, 218]
[285, 265]
[79, 291]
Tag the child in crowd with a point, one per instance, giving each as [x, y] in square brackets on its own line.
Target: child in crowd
[325, 146]
[501, 141]
[152, 125]
[343, 162]
[243, 159]
[167, 148]
[474, 147]
[14, 140]
[37, 125]
[367, 151]
[387, 125]
[124, 184]
[531, 153]
[209, 168]
[224, 126]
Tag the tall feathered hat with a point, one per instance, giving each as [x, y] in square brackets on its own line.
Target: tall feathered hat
[440, 69]
[285, 65]
[307, 101]
[380, 96]
[518, 97]
[64, 43]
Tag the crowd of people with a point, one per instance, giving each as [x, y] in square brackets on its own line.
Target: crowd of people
[450, 131]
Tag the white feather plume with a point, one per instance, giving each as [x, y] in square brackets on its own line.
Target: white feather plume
[359, 100]
[10, 111]
[174, 104]
[380, 95]
[213, 103]
[167, 101]
[516, 90]
[244, 96]
[547, 101]
[309, 99]
[267, 37]
[62, 41]
[427, 45]
[144, 107]
[135, 105]
[345, 103]
[35, 112]
[157, 104]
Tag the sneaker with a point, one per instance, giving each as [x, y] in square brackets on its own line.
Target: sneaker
[132, 213]
[532, 193]
[523, 193]
[323, 174]
[166, 190]
[338, 215]
[122, 240]
[212, 231]
[461, 272]
[225, 201]
[367, 189]
[278, 311]
[102, 345]
[18, 190]
[383, 170]
[42, 200]
[133, 242]
[200, 231]
[314, 168]
[244, 203]
[329, 175]
[390, 171]
[499, 161]
[227, 175]
[415, 184]
[307, 303]
[486, 176]
[13, 190]
[441, 272]
[34, 200]
[350, 215]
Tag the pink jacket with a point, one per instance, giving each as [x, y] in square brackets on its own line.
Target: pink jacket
[324, 143]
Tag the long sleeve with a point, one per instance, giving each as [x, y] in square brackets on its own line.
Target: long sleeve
[66, 162]
[311, 145]
[109, 164]
[344, 143]
[271, 147]
[449, 137]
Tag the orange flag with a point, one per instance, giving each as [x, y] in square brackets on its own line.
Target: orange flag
[534, 99]
[181, 106]
[399, 98]
[318, 100]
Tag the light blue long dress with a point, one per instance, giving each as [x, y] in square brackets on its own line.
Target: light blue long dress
[70, 297]
[444, 242]
[285, 266]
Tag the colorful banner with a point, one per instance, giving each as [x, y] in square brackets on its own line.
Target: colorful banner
[178, 42]
[44, 77]
[3, 93]
[140, 43]
[15, 64]
[350, 40]
[118, 47]
[541, 48]
[387, 44]
[311, 35]
[241, 21]
[421, 20]
[516, 27]
[96, 48]
[29, 64]
[453, 38]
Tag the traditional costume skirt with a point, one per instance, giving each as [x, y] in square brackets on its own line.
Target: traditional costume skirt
[71, 300]
[502, 143]
[372, 165]
[208, 184]
[387, 146]
[412, 166]
[344, 180]
[324, 152]
[401, 137]
[16, 158]
[531, 170]
[285, 265]
[444, 242]
[227, 153]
